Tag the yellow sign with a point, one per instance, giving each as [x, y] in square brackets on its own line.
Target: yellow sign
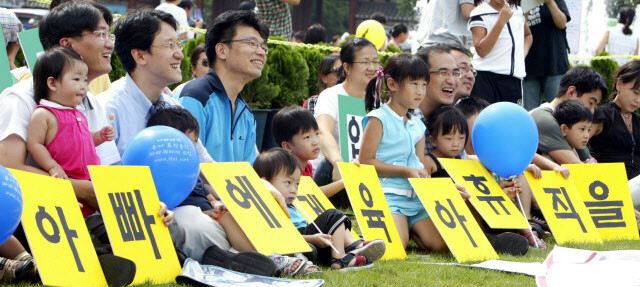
[129, 205]
[605, 191]
[487, 197]
[313, 201]
[56, 232]
[453, 219]
[563, 208]
[254, 208]
[370, 207]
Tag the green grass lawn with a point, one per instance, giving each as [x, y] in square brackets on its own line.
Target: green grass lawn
[416, 270]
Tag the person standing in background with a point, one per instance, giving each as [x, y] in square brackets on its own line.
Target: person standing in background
[620, 40]
[548, 58]
[277, 15]
[445, 21]
[179, 14]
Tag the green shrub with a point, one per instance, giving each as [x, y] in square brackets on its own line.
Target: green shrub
[606, 68]
[313, 57]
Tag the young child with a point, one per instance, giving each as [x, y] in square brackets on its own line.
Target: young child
[296, 130]
[58, 137]
[448, 133]
[471, 108]
[574, 119]
[281, 168]
[394, 143]
[502, 40]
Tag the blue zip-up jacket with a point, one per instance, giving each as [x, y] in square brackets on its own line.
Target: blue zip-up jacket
[226, 137]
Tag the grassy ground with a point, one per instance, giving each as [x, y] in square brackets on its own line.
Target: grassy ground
[416, 270]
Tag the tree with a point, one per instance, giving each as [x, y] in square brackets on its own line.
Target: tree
[613, 6]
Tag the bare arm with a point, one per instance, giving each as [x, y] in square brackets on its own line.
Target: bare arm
[328, 144]
[291, 2]
[559, 18]
[544, 163]
[331, 189]
[13, 154]
[603, 42]
[563, 156]
[528, 40]
[41, 121]
[484, 42]
[12, 51]
[372, 136]
[466, 9]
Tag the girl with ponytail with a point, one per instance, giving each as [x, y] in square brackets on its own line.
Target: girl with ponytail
[393, 142]
[621, 40]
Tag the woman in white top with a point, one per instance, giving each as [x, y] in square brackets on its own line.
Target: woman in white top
[359, 65]
[621, 40]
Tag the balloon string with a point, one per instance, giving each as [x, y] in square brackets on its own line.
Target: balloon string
[512, 178]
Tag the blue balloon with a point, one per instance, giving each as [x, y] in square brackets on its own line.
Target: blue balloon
[505, 138]
[10, 204]
[172, 158]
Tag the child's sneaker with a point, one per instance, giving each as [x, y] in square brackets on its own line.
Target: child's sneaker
[373, 250]
[13, 270]
[26, 257]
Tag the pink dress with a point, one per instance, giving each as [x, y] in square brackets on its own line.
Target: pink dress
[72, 147]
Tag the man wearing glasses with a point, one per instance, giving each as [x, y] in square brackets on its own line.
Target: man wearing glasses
[462, 56]
[150, 51]
[237, 51]
[443, 82]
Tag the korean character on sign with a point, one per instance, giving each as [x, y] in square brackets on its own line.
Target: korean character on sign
[126, 213]
[569, 212]
[478, 182]
[313, 202]
[54, 237]
[374, 217]
[245, 195]
[605, 213]
[448, 216]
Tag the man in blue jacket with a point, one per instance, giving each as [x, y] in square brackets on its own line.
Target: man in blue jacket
[236, 48]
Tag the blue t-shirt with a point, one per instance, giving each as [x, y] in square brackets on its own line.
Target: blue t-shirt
[227, 137]
[397, 146]
[296, 217]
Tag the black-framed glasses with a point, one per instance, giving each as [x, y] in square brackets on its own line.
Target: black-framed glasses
[253, 43]
[465, 69]
[205, 62]
[447, 73]
[173, 46]
[334, 70]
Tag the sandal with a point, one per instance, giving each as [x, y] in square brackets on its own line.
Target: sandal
[373, 250]
[361, 262]
[309, 267]
[537, 241]
[284, 265]
[546, 230]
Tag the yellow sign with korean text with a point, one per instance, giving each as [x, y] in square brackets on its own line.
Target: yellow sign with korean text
[487, 197]
[254, 208]
[370, 207]
[313, 201]
[605, 191]
[57, 233]
[130, 210]
[453, 219]
[563, 208]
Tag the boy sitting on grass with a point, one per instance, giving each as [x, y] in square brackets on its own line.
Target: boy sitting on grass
[330, 231]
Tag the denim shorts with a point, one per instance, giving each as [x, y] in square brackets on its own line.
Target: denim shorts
[409, 207]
